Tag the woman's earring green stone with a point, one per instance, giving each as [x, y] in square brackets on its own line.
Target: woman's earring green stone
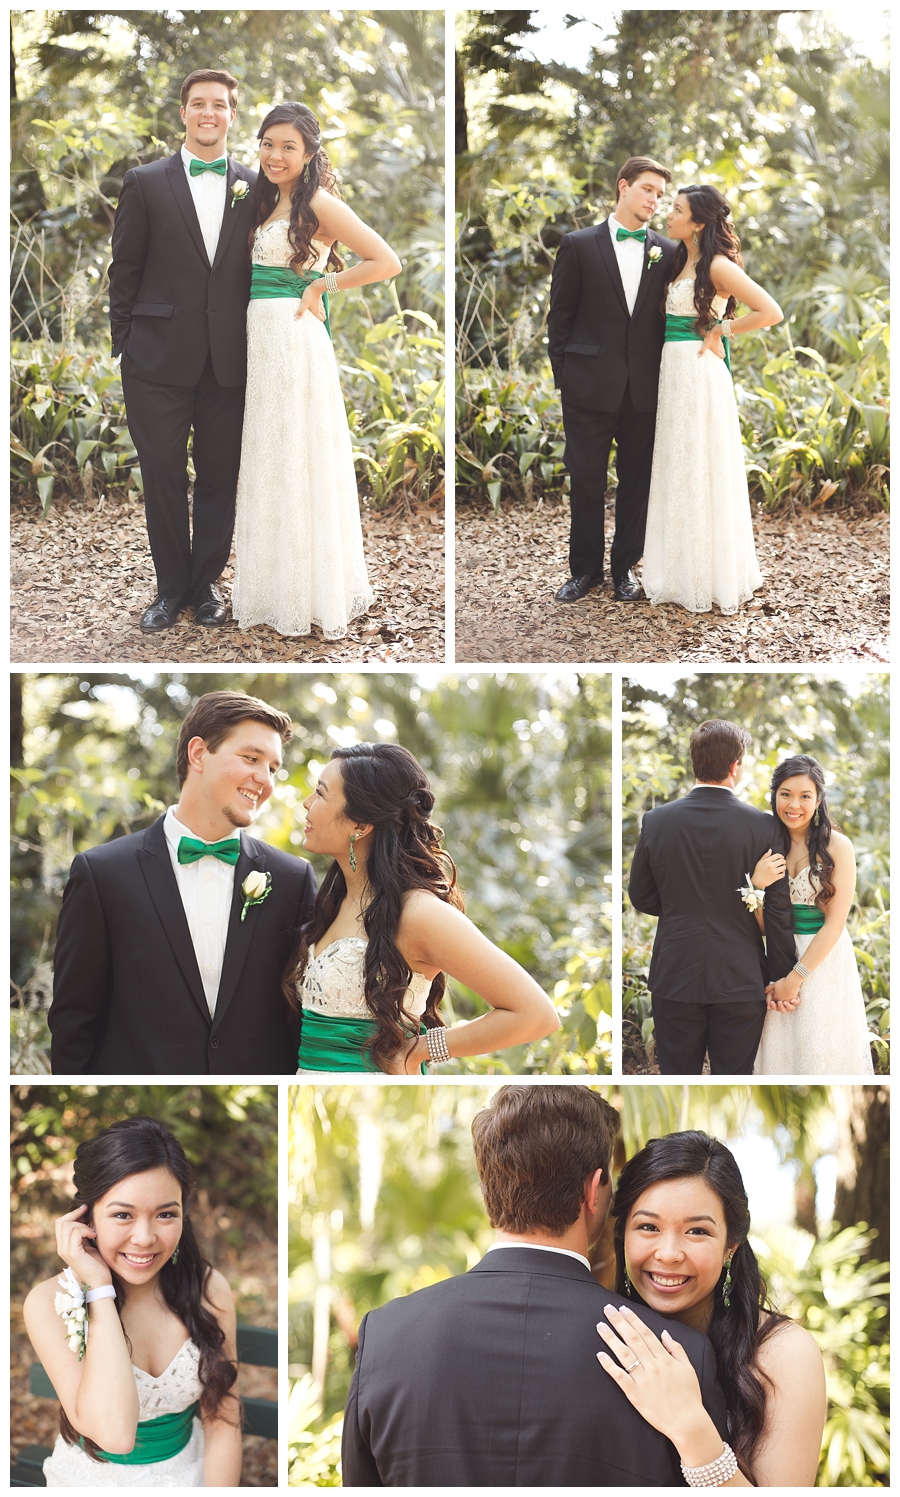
[306, 173]
[352, 853]
[174, 1258]
[726, 1287]
[816, 817]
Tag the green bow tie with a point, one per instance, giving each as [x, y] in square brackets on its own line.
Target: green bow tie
[191, 850]
[219, 167]
[639, 234]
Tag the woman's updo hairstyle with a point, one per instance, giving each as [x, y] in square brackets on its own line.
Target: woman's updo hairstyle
[319, 173]
[131, 1147]
[820, 828]
[385, 786]
[717, 237]
[738, 1329]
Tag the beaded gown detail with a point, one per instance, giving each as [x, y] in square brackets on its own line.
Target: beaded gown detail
[699, 547]
[333, 984]
[172, 1392]
[298, 542]
[827, 1035]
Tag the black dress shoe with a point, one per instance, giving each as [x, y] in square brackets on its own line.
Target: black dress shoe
[209, 606]
[162, 614]
[575, 588]
[627, 589]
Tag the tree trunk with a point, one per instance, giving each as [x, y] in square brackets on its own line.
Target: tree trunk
[12, 64]
[863, 1161]
[16, 722]
[462, 118]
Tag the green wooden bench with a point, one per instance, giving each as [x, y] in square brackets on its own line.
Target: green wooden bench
[257, 1346]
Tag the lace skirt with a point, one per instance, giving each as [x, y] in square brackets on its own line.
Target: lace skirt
[69, 1466]
[699, 547]
[827, 1035]
[298, 538]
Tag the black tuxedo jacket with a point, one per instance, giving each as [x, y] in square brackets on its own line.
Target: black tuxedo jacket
[492, 1380]
[692, 857]
[127, 993]
[596, 348]
[168, 307]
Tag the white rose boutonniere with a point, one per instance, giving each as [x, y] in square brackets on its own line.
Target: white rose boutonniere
[255, 889]
[70, 1306]
[655, 255]
[239, 190]
[754, 899]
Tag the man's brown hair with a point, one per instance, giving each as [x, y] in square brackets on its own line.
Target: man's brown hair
[214, 716]
[210, 75]
[715, 746]
[534, 1148]
[635, 165]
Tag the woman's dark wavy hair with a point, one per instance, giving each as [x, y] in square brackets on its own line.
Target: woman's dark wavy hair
[738, 1331]
[817, 837]
[385, 786]
[717, 237]
[130, 1147]
[303, 221]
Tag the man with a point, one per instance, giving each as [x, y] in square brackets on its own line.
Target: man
[606, 332]
[179, 286]
[709, 970]
[491, 1379]
[172, 943]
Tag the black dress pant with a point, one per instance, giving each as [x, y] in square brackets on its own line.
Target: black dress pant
[160, 418]
[589, 437]
[729, 1032]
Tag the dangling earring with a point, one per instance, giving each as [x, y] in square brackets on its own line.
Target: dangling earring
[306, 173]
[628, 1286]
[816, 817]
[726, 1287]
[352, 853]
[174, 1258]
[696, 240]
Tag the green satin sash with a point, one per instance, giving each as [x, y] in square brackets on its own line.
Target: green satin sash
[272, 282]
[328, 1043]
[808, 918]
[157, 1439]
[681, 330]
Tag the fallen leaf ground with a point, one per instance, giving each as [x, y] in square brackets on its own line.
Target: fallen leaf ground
[825, 597]
[81, 578]
[244, 1254]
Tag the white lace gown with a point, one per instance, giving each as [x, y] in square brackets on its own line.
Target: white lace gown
[334, 985]
[699, 547]
[827, 1035]
[298, 542]
[170, 1393]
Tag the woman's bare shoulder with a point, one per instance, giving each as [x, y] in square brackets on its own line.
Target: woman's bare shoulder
[788, 1351]
[217, 1293]
[43, 1294]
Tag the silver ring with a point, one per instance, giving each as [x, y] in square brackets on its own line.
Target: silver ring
[633, 1365]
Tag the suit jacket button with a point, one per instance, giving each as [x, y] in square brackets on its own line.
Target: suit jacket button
[214, 1044]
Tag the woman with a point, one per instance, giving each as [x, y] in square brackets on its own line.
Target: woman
[681, 1229]
[298, 540]
[144, 1368]
[368, 973]
[699, 542]
[827, 1033]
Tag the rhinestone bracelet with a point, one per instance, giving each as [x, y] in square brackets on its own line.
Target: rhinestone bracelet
[715, 1473]
[801, 971]
[437, 1047]
[331, 285]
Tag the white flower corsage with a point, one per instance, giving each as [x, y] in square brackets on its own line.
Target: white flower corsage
[239, 190]
[255, 889]
[754, 899]
[655, 255]
[71, 1305]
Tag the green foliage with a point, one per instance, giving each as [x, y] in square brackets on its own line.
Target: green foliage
[520, 766]
[847, 728]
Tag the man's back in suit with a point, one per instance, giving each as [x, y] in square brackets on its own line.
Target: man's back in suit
[491, 1379]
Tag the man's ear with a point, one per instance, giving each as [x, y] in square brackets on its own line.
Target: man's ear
[196, 752]
[592, 1187]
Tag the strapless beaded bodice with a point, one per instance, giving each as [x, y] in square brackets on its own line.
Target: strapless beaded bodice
[680, 300]
[271, 246]
[804, 887]
[175, 1389]
[334, 983]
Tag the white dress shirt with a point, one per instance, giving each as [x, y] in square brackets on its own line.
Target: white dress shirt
[209, 192]
[206, 888]
[542, 1247]
[710, 785]
[630, 257]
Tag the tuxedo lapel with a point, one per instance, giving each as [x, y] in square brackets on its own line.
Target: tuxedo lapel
[178, 183]
[230, 214]
[648, 273]
[608, 256]
[156, 866]
[240, 932]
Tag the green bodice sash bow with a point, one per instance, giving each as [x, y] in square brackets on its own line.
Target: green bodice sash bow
[157, 1439]
[808, 918]
[329, 1043]
[681, 330]
[272, 282]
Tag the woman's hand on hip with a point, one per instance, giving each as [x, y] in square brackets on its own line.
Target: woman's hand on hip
[311, 301]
